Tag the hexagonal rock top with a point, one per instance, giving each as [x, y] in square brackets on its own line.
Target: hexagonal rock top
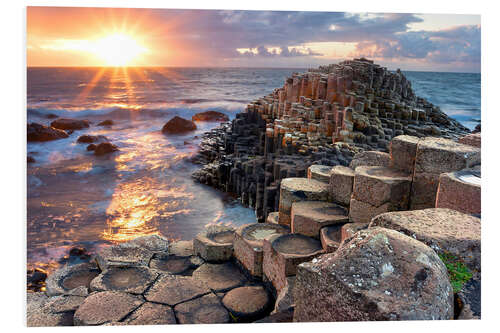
[308, 217]
[219, 277]
[379, 274]
[248, 303]
[403, 150]
[341, 182]
[319, 172]
[151, 314]
[282, 254]
[67, 278]
[440, 228]
[40, 314]
[299, 189]
[460, 190]
[331, 237]
[174, 289]
[370, 158]
[202, 310]
[215, 244]
[173, 264]
[134, 280]
[248, 243]
[153, 243]
[122, 255]
[106, 306]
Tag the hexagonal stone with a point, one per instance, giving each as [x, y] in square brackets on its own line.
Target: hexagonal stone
[461, 191]
[370, 158]
[181, 248]
[106, 306]
[282, 254]
[248, 303]
[123, 255]
[215, 244]
[64, 303]
[319, 172]
[331, 237]
[248, 243]
[202, 310]
[68, 278]
[220, 277]
[341, 182]
[362, 212]
[308, 217]
[151, 314]
[379, 274]
[349, 229]
[442, 229]
[134, 280]
[378, 185]
[39, 315]
[284, 299]
[299, 189]
[174, 289]
[153, 243]
[403, 150]
[173, 264]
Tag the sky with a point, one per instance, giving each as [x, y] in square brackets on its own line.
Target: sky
[72, 36]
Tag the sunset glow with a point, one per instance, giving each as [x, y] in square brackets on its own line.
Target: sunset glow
[117, 49]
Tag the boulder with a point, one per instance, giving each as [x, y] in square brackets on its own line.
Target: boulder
[331, 237]
[107, 122]
[174, 289]
[370, 158]
[403, 150]
[151, 314]
[248, 303]
[215, 243]
[444, 230]
[91, 147]
[30, 159]
[248, 243]
[460, 190]
[308, 217]
[67, 278]
[202, 310]
[210, 116]
[178, 125]
[91, 138]
[69, 124]
[37, 132]
[104, 148]
[219, 277]
[106, 306]
[38, 314]
[319, 172]
[341, 182]
[378, 274]
[348, 230]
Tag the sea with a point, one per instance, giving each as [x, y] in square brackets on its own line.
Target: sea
[77, 199]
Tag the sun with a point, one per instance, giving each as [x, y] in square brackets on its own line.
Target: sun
[118, 49]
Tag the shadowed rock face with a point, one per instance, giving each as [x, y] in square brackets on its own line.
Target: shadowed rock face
[37, 132]
[105, 148]
[178, 125]
[210, 116]
[69, 124]
[296, 244]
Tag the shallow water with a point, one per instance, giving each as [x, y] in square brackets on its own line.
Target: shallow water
[76, 198]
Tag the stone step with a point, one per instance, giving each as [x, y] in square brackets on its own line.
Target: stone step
[299, 189]
[403, 150]
[341, 183]
[461, 191]
[215, 243]
[370, 158]
[319, 172]
[331, 237]
[308, 217]
[248, 303]
[249, 241]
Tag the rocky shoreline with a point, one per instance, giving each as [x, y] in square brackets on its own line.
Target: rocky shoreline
[368, 206]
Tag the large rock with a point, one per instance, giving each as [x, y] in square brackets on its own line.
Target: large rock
[68, 278]
[473, 139]
[174, 289]
[319, 172]
[444, 230]
[37, 132]
[248, 303]
[370, 158]
[134, 280]
[299, 189]
[38, 314]
[178, 125]
[91, 138]
[379, 274]
[202, 310]
[460, 190]
[215, 243]
[219, 277]
[153, 243]
[403, 150]
[123, 255]
[308, 217]
[105, 148]
[69, 124]
[249, 242]
[210, 116]
[341, 182]
[106, 306]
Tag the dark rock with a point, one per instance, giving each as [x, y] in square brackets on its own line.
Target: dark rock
[51, 116]
[178, 125]
[91, 138]
[36, 276]
[91, 147]
[248, 303]
[210, 116]
[37, 132]
[107, 122]
[69, 124]
[31, 159]
[105, 148]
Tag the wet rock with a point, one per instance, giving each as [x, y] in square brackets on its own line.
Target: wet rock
[178, 125]
[69, 124]
[134, 280]
[248, 243]
[107, 122]
[67, 278]
[31, 159]
[36, 276]
[104, 148]
[444, 230]
[153, 243]
[461, 191]
[174, 289]
[219, 277]
[77, 252]
[51, 116]
[37, 132]
[370, 158]
[123, 255]
[469, 299]
[91, 147]
[202, 310]
[91, 138]
[210, 116]
[215, 244]
[182, 248]
[379, 274]
[151, 314]
[308, 217]
[341, 182]
[106, 306]
[284, 299]
[248, 303]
